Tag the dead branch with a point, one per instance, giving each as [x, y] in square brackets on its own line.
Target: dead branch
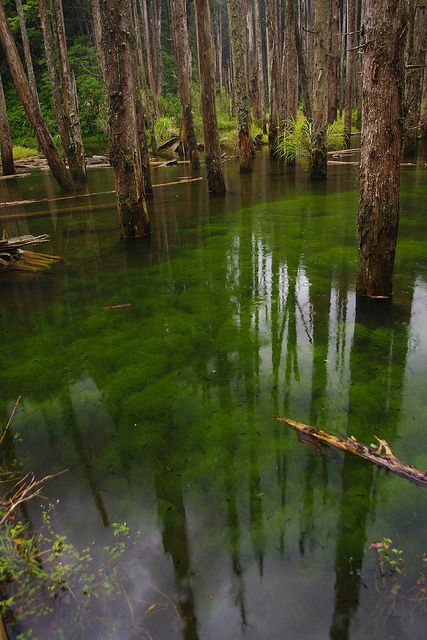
[3, 434]
[381, 455]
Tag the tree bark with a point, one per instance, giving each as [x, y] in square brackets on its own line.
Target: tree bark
[156, 30]
[303, 74]
[333, 64]
[291, 61]
[318, 160]
[237, 28]
[76, 154]
[207, 91]
[183, 70]
[274, 57]
[31, 107]
[260, 109]
[27, 51]
[423, 108]
[6, 147]
[118, 41]
[97, 35]
[382, 79]
[150, 70]
[415, 56]
[351, 54]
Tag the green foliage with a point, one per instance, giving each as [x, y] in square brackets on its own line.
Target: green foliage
[166, 127]
[390, 559]
[296, 139]
[23, 152]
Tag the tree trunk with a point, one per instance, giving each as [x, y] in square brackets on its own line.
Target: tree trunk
[423, 108]
[156, 31]
[237, 24]
[207, 91]
[118, 41]
[97, 35]
[318, 160]
[76, 156]
[31, 107]
[6, 147]
[382, 79]
[303, 74]
[260, 109]
[291, 61]
[27, 51]
[333, 64]
[415, 56]
[351, 54]
[151, 80]
[274, 57]
[183, 71]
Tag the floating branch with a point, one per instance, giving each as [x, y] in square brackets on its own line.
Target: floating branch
[381, 455]
[13, 256]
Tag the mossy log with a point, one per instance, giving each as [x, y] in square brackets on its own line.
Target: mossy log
[380, 455]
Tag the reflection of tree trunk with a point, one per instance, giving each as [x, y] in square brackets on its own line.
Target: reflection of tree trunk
[31, 107]
[318, 160]
[207, 89]
[6, 147]
[378, 216]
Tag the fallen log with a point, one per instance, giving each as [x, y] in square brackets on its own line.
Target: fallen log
[13, 256]
[380, 455]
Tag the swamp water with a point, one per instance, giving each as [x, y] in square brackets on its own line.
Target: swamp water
[241, 308]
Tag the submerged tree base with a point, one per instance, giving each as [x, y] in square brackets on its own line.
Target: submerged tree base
[381, 455]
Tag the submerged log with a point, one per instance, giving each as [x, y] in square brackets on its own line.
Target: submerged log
[13, 256]
[380, 455]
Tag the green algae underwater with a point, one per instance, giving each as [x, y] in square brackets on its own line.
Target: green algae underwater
[162, 411]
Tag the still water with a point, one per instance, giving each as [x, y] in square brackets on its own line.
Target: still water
[162, 411]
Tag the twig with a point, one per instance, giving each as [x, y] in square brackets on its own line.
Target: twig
[10, 420]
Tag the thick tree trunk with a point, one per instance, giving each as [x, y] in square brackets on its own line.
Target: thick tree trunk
[382, 79]
[351, 55]
[76, 155]
[6, 147]
[274, 58]
[149, 57]
[318, 160]
[415, 56]
[31, 107]
[118, 40]
[27, 51]
[291, 61]
[333, 63]
[207, 91]
[260, 67]
[237, 28]
[183, 71]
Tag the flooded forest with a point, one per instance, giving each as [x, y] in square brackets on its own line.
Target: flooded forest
[213, 319]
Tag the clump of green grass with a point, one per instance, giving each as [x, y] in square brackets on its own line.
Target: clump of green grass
[23, 152]
[297, 138]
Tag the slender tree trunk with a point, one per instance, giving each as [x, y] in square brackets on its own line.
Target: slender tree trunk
[76, 158]
[318, 164]
[118, 41]
[97, 35]
[274, 57]
[237, 24]
[382, 79]
[415, 56]
[150, 70]
[31, 107]
[156, 30]
[303, 74]
[183, 69]
[27, 51]
[423, 108]
[260, 67]
[333, 63]
[207, 91]
[291, 61]
[252, 63]
[351, 55]
[6, 147]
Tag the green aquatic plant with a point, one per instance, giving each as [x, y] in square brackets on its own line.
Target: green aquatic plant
[297, 138]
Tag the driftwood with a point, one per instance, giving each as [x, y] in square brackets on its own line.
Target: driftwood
[172, 143]
[13, 256]
[380, 455]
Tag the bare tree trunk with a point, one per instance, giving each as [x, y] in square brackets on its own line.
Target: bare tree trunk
[382, 79]
[207, 91]
[273, 41]
[151, 79]
[76, 157]
[27, 51]
[156, 31]
[118, 41]
[260, 67]
[318, 160]
[291, 61]
[183, 70]
[237, 24]
[6, 147]
[415, 55]
[423, 107]
[252, 63]
[303, 74]
[333, 63]
[97, 35]
[351, 53]
[31, 107]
